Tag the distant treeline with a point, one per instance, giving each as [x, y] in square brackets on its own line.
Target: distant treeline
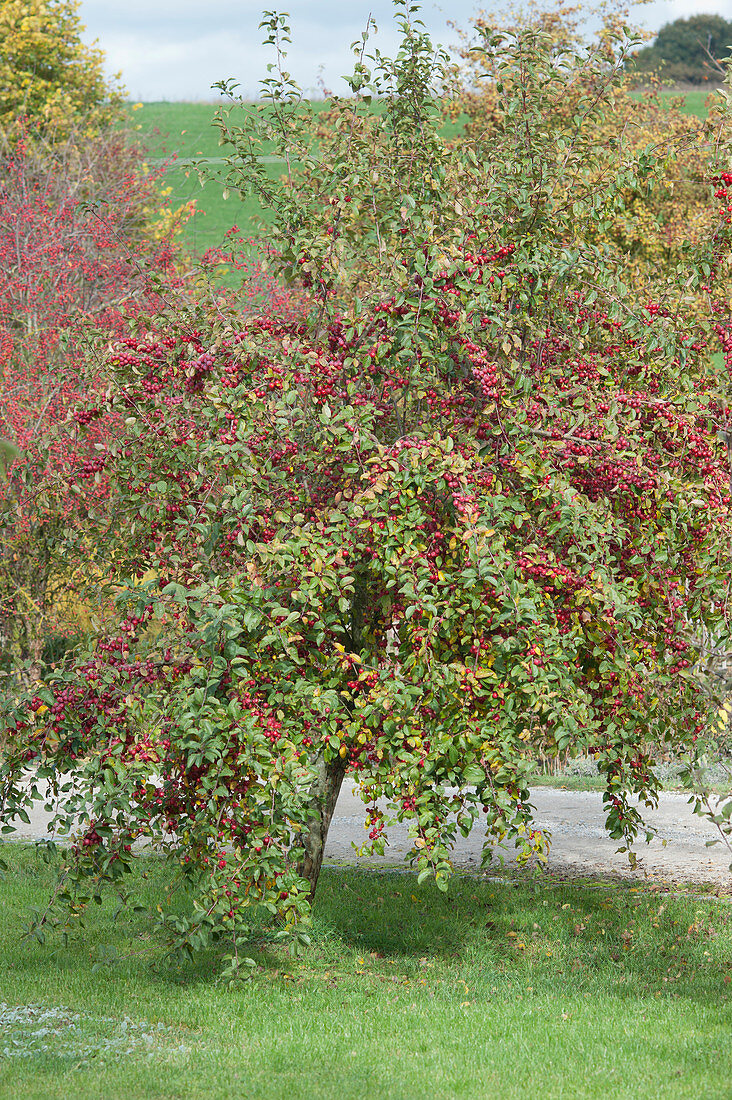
[689, 51]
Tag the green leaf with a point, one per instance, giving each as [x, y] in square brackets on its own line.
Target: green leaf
[473, 775]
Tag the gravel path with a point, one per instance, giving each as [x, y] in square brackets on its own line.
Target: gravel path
[579, 841]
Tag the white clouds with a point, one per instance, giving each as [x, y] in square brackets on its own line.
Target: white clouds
[156, 66]
[659, 12]
[170, 51]
[176, 49]
[682, 9]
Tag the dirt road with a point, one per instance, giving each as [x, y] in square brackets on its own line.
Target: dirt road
[579, 843]
[579, 840]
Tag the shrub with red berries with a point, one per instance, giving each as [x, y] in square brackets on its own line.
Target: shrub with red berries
[79, 257]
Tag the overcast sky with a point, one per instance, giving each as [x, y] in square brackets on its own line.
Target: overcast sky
[176, 49]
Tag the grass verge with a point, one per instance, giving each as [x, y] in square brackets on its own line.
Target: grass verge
[501, 988]
[597, 783]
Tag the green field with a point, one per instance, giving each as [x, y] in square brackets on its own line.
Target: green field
[186, 130]
[695, 103]
[500, 988]
[215, 215]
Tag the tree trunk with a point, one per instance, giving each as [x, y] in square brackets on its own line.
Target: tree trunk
[324, 795]
[329, 778]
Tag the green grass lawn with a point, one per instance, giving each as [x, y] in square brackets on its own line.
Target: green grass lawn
[597, 783]
[496, 990]
[571, 782]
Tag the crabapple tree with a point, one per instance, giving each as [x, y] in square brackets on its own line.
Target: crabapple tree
[473, 499]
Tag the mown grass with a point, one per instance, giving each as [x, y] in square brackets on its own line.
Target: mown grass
[570, 782]
[694, 103]
[500, 988]
[597, 783]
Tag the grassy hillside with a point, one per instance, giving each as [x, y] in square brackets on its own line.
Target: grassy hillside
[186, 130]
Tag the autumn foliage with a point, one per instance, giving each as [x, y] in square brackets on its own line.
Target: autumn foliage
[48, 75]
[78, 255]
[658, 211]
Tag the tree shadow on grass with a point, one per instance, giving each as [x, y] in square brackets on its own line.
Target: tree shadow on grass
[524, 929]
[536, 930]
[386, 912]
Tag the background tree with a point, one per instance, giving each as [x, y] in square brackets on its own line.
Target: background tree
[476, 500]
[689, 51]
[47, 74]
[78, 219]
